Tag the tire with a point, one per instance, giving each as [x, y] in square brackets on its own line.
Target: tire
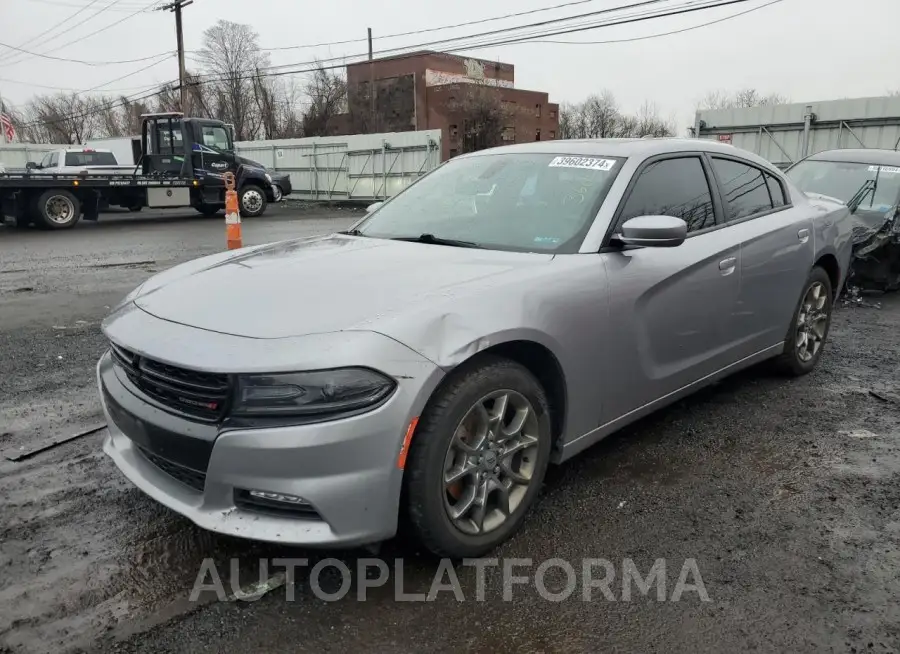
[209, 210]
[812, 317]
[57, 209]
[277, 195]
[252, 201]
[429, 499]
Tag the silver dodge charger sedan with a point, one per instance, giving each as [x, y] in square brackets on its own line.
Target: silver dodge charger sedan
[504, 312]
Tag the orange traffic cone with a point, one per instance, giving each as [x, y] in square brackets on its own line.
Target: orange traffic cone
[232, 215]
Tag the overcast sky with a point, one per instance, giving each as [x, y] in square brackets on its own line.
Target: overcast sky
[807, 50]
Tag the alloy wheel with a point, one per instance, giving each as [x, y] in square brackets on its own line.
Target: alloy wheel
[812, 321]
[490, 462]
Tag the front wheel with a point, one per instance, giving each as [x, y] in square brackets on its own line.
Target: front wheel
[809, 328]
[252, 200]
[277, 195]
[478, 458]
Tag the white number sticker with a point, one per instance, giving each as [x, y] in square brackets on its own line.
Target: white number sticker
[589, 163]
[889, 170]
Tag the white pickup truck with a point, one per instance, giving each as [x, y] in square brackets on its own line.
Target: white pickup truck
[75, 161]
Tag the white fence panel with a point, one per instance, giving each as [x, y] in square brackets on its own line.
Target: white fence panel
[356, 167]
[16, 155]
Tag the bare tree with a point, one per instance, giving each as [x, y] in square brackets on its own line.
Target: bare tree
[744, 98]
[230, 55]
[599, 116]
[327, 96]
[62, 118]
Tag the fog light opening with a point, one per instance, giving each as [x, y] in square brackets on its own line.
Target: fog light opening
[283, 498]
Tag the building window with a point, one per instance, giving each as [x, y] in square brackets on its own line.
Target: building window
[453, 152]
[454, 131]
[537, 134]
[552, 114]
[509, 133]
[537, 110]
[552, 134]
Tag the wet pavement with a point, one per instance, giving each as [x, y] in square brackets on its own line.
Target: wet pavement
[784, 493]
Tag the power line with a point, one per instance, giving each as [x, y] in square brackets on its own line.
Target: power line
[85, 36]
[684, 9]
[132, 74]
[80, 61]
[432, 44]
[57, 3]
[79, 23]
[656, 36]
[434, 29]
[50, 29]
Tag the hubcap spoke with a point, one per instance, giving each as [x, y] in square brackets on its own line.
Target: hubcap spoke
[812, 321]
[488, 467]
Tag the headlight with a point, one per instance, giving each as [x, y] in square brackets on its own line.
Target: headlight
[268, 178]
[315, 393]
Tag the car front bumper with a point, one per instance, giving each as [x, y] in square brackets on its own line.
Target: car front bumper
[345, 470]
[284, 183]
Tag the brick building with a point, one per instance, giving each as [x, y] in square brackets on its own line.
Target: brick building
[434, 90]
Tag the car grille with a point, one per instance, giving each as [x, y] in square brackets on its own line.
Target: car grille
[186, 476]
[199, 394]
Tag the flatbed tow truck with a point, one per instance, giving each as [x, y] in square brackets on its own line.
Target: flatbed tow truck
[182, 164]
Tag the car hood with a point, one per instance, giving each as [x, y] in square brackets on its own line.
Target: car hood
[318, 285]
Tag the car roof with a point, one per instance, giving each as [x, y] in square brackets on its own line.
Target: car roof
[630, 147]
[83, 150]
[860, 155]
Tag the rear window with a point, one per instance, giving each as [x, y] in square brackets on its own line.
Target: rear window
[90, 159]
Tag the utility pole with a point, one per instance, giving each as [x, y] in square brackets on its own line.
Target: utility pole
[371, 85]
[176, 6]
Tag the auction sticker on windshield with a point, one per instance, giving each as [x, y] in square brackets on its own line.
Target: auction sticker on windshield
[890, 170]
[590, 163]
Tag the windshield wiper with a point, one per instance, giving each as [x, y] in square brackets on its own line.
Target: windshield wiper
[431, 239]
[352, 232]
[858, 197]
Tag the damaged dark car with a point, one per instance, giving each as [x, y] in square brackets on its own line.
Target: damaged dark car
[868, 181]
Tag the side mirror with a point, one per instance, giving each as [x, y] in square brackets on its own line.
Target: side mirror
[30, 165]
[373, 207]
[654, 231]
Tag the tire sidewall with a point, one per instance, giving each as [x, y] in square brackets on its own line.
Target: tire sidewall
[425, 488]
[43, 216]
[276, 191]
[262, 208]
[817, 275]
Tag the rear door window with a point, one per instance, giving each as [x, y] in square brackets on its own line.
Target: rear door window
[744, 189]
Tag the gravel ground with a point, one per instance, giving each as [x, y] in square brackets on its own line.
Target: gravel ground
[784, 492]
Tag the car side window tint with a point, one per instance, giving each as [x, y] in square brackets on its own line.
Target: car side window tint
[672, 187]
[776, 191]
[744, 189]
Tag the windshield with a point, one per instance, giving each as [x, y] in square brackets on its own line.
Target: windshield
[841, 180]
[519, 202]
[90, 159]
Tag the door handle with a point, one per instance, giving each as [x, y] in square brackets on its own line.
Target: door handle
[727, 265]
[803, 235]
